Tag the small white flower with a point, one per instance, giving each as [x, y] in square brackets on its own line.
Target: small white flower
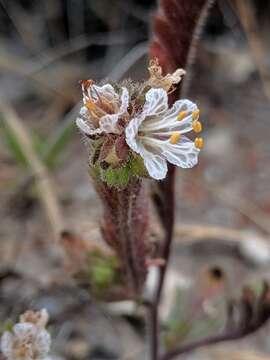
[27, 341]
[102, 108]
[157, 133]
[38, 318]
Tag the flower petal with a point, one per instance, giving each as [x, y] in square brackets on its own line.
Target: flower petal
[6, 344]
[132, 132]
[183, 154]
[24, 330]
[155, 164]
[43, 342]
[124, 101]
[85, 128]
[171, 116]
[170, 121]
[156, 102]
[108, 124]
[107, 91]
[83, 111]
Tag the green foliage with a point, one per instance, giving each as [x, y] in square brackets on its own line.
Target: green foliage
[13, 144]
[257, 286]
[48, 151]
[51, 151]
[102, 271]
[6, 326]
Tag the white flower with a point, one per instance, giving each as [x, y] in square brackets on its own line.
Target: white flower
[157, 133]
[102, 108]
[27, 341]
[38, 318]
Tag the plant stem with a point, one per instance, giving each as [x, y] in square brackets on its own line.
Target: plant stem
[168, 223]
[171, 57]
[211, 340]
[153, 331]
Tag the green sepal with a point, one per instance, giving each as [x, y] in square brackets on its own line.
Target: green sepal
[116, 177]
[120, 177]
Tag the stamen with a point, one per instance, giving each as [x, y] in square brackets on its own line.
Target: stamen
[175, 138]
[90, 105]
[86, 84]
[197, 126]
[198, 142]
[182, 115]
[196, 114]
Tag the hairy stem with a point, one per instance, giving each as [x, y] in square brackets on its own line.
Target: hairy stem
[124, 227]
[127, 235]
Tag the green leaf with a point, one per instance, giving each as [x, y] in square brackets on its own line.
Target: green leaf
[14, 144]
[58, 145]
[6, 326]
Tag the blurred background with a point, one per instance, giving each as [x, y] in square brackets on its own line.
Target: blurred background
[222, 235]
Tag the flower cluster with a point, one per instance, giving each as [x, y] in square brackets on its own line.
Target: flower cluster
[28, 340]
[139, 115]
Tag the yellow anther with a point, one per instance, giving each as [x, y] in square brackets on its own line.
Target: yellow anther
[198, 142]
[90, 105]
[182, 115]
[197, 126]
[196, 114]
[175, 137]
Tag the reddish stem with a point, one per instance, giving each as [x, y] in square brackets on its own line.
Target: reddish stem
[177, 25]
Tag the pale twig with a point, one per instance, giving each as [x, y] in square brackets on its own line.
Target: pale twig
[43, 182]
[246, 13]
[134, 355]
[248, 248]
[199, 232]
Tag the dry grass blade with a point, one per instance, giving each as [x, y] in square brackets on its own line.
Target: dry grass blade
[135, 54]
[201, 232]
[44, 184]
[237, 202]
[247, 15]
[20, 67]
[76, 44]
[225, 354]
[242, 205]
